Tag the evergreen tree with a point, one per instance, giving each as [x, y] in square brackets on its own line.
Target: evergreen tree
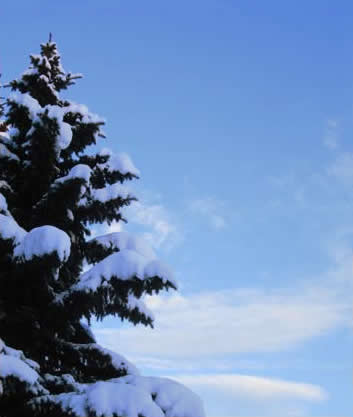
[54, 277]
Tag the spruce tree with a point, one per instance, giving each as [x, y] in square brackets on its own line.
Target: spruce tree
[54, 186]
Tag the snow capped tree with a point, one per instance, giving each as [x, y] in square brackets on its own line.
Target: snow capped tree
[55, 277]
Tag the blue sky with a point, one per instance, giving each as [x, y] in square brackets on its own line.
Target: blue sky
[239, 116]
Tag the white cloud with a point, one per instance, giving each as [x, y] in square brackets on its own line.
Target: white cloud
[212, 210]
[254, 387]
[229, 322]
[158, 227]
[187, 365]
[162, 231]
[214, 326]
[342, 168]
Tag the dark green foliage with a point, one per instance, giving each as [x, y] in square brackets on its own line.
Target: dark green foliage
[40, 314]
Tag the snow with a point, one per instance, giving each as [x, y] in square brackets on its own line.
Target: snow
[14, 363]
[64, 138]
[29, 71]
[88, 330]
[118, 361]
[125, 240]
[3, 203]
[65, 135]
[67, 378]
[36, 56]
[157, 268]
[81, 171]
[5, 153]
[108, 193]
[123, 265]
[105, 152]
[134, 302]
[44, 78]
[131, 396]
[87, 116]
[11, 366]
[107, 398]
[4, 136]
[65, 132]
[5, 185]
[41, 61]
[12, 352]
[9, 229]
[46, 63]
[118, 162]
[28, 101]
[52, 89]
[44, 240]
[76, 403]
[174, 398]
[32, 364]
[29, 133]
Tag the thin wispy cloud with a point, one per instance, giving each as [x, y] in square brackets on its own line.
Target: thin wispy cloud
[201, 338]
[161, 230]
[342, 168]
[281, 181]
[330, 139]
[212, 210]
[230, 322]
[186, 365]
[255, 387]
[318, 191]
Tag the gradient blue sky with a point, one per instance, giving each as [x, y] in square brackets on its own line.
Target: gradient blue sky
[240, 117]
